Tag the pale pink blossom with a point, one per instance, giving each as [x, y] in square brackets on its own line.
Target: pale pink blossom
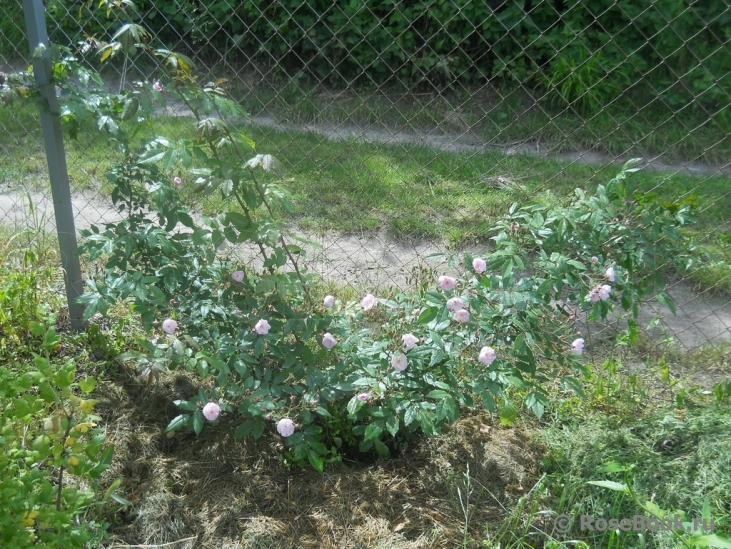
[285, 427]
[577, 347]
[157, 86]
[603, 291]
[238, 276]
[177, 181]
[594, 259]
[594, 295]
[410, 341]
[399, 362]
[454, 304]
[329, 301]
[328, 341]
[479, 265]
[369, 301]
[447, 283]
[262, 327]
[211, 411]
[169, 326]
[363, 397]
[461, 316]
[487, 355]
[610, 274]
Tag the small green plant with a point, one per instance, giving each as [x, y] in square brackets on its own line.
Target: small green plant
[53, 453]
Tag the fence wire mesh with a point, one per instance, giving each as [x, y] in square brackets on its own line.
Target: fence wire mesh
[406, 128]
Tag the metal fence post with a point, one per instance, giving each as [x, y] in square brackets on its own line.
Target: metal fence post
[56, 158]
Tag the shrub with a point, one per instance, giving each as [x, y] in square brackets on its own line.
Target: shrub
[53, 453]
[670, 48]
[332, 376]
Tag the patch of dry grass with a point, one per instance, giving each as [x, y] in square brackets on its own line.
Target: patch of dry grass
[214, 491]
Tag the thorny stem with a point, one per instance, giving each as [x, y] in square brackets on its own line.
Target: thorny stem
[281, 238]
[243, 205]
[265, 201]
[60, 471]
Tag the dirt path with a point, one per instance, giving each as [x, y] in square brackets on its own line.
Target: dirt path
[470, 143]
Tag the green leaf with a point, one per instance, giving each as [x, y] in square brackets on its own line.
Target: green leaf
[381, 448]
[507, 413]
[373, 431]
[354, 405]
[50, 340]
[427, 315]
[185, 405]
[105, 460]
[317, 462]
[88, 384]
[198, 421]
[22, 408]
[392, 425]
[46, 392]
[613, 467]
[448, 408]
[244, 429]
[664, 298]
[616, 486]
[177, 423]
[131, 106]
[119, 499]
[411, 415]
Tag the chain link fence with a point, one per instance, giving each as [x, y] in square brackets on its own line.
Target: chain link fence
[407, 128]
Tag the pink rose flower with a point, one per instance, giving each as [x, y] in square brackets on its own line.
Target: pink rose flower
[328, 341]
[369, 301]
[461, 316]
[211, 411]
[594, 259]
[157, 86]
[262, 327]
[169, 326]
[577, 347]
[479, 265]
[363, 397]
[610, 274]
[410, 341]
[399, 362]
[487, 355]
[447, 283]
[329, 301]
[603, 291]
[454, 304]
[177, 181]
[238, 276]
[285, 427]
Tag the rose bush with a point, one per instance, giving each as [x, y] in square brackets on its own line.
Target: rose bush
[363, 376]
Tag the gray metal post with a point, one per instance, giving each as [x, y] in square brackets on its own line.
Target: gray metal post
[37, 34]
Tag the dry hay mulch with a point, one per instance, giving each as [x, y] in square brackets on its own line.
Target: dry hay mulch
[214, 491]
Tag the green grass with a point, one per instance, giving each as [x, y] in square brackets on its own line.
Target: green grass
[673, 457]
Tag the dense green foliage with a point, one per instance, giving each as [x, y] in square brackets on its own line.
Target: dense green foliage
[52, 452]
[583, 52]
